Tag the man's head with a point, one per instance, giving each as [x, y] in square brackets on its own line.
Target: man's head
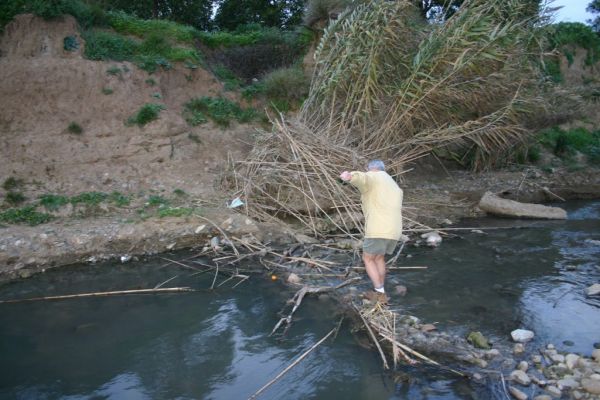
[376, 165]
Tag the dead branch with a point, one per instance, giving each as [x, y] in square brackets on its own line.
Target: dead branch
[103, 294]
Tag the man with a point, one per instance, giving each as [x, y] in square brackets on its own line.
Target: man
[382, 207]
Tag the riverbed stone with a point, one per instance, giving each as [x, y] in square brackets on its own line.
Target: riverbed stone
[517, 394]
[542, 397]
[593, 290]
[400, 290]
[567, 383]
[571, 360]
[493, 353]
[577, 395]
[595, 376]
[557, 358]
[519, 348]
[428, 327]
[294, 279]
[520, 377]
[550, 346]
[522, 335]
[536, 359]
[478, 340]
[523, 366]
[553, 391]
[596, 355]
[591, 385]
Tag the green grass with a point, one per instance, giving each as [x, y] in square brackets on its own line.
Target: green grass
[114, 71]
[12, 183]
[130, 25]
[231, 82]
[565, 143]
[179, 192]
[105, 46]
[75, 128]
[107, 91]
[219, 109]
[15, 198]
[24, 215]
[53, 202]
[157, 201]
[552, 70]
[150, 82]
[119, 199]
[89, 198]
[147, 113]
[175, 212]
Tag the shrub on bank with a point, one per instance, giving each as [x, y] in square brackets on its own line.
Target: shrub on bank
[218, 109]
[147, 113]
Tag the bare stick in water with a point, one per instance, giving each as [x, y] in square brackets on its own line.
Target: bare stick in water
[372, 335]
[292, 365]
[102, 294]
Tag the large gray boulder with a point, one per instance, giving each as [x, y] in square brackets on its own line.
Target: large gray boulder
[493, 204]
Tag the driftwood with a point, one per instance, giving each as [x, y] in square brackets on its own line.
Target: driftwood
[102, 294]
[299, 296]
[493, 204]
[293, 364]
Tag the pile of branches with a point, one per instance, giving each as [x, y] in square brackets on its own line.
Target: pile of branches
[389, 85]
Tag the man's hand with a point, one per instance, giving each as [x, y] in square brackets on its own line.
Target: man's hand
[346, 176]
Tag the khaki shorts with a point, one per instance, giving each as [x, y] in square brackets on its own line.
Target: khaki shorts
[379, 246]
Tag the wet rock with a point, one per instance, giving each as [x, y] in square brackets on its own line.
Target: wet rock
[428, 327]
[520, 377]
[478, 340]
[596, 355]
[476, 376]
[557, 358]
[125, 258]
[567, 383]
[591, 385]
[571, 267]
[400, 290]
[542, 397]
[522, 335]
[577, 395]
[493, 353]
[433, 239]
[571, 360]
[214, 242]
[523, 366]
[536, 359]
[294, 279]
[568, 343]
[553, 391]
[519, 348]
[517, 394]
[537, 381]
[597, 345]
[593, 290]
[550, 346]
[305, 239]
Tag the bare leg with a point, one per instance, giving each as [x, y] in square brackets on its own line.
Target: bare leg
[373, 270]
[380, 263]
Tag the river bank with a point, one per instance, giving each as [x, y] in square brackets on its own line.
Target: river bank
[434, 195]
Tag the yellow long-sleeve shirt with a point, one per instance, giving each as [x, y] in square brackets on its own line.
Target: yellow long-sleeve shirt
[381, 204]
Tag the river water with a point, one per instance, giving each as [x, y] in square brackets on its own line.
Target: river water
[215, 344]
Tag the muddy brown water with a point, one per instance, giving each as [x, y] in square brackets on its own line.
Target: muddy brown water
[215, 345]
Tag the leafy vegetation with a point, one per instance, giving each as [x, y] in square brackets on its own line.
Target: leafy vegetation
[147, 113]
[24, 215]
[286, 86]
[15, 198]
[53, 202]
[70, 43]
[576, 33]
[565, 143]
[175, 212]
[75, 128]
[89, 198]
[103, 45]
[226, 76]
[12, 183]
[107, 91]
[218, 109]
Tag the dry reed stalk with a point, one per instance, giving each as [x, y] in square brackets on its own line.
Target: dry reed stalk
[103, 294]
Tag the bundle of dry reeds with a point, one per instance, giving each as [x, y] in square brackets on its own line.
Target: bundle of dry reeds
[389, 85]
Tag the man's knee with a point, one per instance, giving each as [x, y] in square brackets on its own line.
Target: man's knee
[368, 257]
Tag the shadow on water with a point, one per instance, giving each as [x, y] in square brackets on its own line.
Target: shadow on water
[214, 345]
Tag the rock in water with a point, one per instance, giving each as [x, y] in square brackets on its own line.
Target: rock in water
[522, 335]
[294, 279]
[520, 377]
[593, 290]
[591, 385]
[400, 290]
[433, 239]
[478, 340]
[517, 394]
[493, 204]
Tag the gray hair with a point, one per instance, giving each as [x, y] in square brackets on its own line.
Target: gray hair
[376, 164]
